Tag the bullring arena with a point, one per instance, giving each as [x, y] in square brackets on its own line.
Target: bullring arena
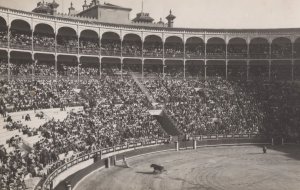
[215, 168]
[84, 94]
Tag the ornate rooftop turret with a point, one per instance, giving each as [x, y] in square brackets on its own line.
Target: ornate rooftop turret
[72, 10]
[85, 6]
[43, 8]
[161, 22]
[170, 19]
[143, 17]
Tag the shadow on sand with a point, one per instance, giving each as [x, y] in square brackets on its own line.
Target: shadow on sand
[146, 173]
[291, 151]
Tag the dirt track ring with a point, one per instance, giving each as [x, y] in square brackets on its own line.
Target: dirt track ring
[218, 168]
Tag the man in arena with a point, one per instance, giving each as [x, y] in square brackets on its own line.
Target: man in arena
[125, 162]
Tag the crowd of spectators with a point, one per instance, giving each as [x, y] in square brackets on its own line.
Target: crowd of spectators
[20, 40]
[173, 50]
[237, 51]
[112, 48]
[194, 50]
[44, 42]
[210, 107]
[281, 51]
[3, 37]
[116, 112]
[215, 50]
[132, 49]
[154, 49]
[22, 94]
[89, 46]
[259, 51]
[67, 44]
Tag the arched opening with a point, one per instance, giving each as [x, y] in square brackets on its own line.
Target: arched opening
[153, 46]
[44, 66]
[21, 64]
[237, 48]
[259, 70]
[174, 68]
[281, 70]
[281, 48]
[89, 67]
[216, 68]
[44, 38]
[174, 47]
[67, 41]
[89, 43]
[194, 69]
[153, 68]
[194, 48]
[111, 67]
[67, 66]
[215, 48]
[3, 64]
[237, 70]
[3, 33]
[297, 48]
[20, 35]
[259, 48]
[132, 46]
[133, 66]
[110, 44]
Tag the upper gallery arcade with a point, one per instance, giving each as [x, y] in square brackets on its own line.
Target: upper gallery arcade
[92, 32]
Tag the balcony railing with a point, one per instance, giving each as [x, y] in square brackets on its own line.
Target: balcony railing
[174, 55]
[65, 49]
[237, 56]
[21, 46]
[259, 56]
[153, 54]
[111, 52]
[89, 51]
[3, 43]
[215, 55]
[132, 54]
[195, 56]
[43, 48]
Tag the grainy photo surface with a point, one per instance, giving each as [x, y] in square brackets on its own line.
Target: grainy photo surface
[149, 95]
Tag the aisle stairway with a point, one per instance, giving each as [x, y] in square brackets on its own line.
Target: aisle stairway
[168, 125]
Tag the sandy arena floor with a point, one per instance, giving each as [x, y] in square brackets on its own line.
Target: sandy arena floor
[226, 168]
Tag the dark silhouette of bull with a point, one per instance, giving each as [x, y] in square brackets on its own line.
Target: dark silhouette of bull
[157, 168]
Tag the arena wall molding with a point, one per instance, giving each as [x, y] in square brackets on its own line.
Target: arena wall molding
[67, 169]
